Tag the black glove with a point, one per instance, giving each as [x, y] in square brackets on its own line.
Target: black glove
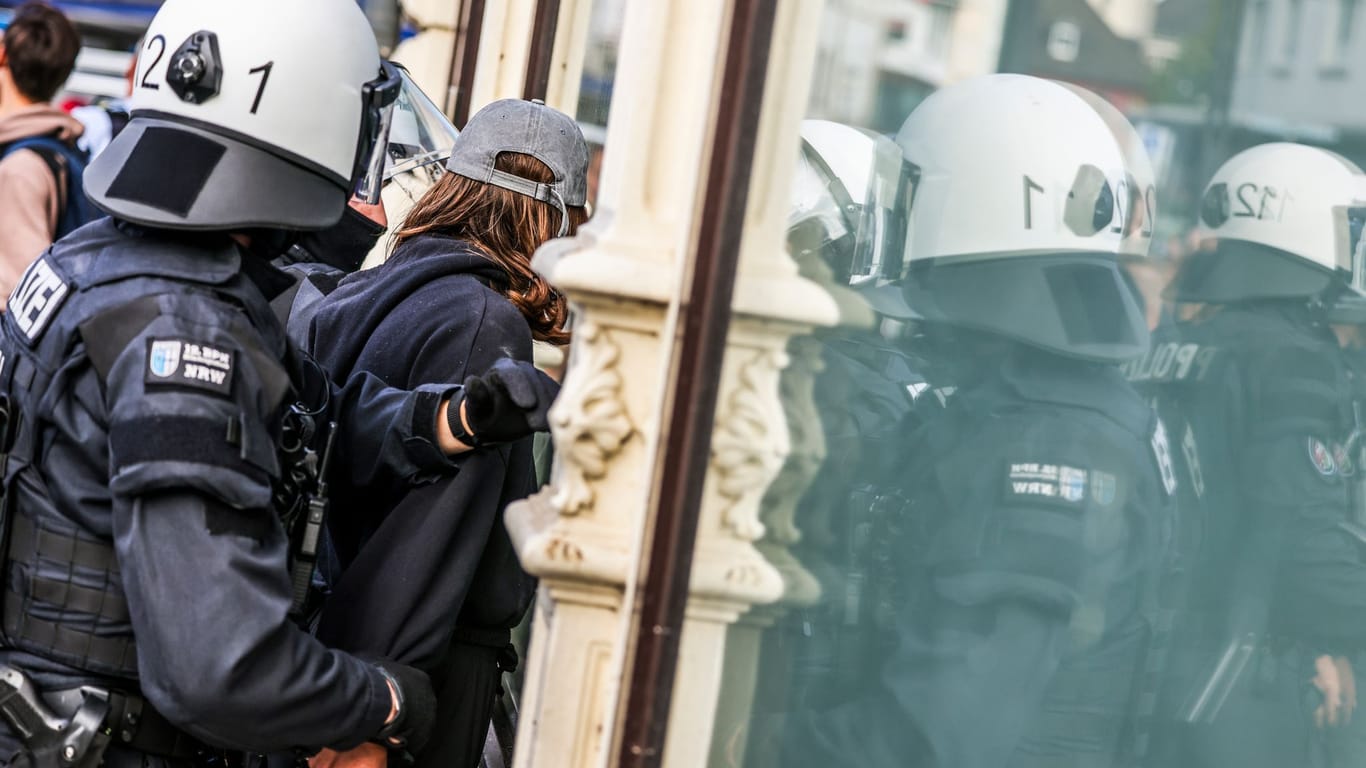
[511, 401]
[412, 726]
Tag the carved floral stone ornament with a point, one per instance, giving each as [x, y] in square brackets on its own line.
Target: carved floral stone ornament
[589, 419]
[749, 444]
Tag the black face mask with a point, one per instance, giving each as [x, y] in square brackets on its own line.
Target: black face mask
[262, 248]
[344, 245]
[268, 244]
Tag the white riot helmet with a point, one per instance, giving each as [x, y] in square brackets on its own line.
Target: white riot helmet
[1287, 220]
[1136, 193]
[849, 201]
[1014, 228]
[252, 113]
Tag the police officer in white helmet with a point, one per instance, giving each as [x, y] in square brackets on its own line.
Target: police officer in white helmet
[1024, 571]
[1263, 661]
[146, 444]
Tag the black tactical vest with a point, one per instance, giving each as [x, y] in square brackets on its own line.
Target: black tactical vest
[73, 312]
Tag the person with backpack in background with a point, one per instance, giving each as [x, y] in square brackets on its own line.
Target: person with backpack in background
[40, 166]
[103, 120]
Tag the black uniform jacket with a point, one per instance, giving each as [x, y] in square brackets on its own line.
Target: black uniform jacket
[1268, 403]
[417, 562]
[150, 375]
[1038, 505]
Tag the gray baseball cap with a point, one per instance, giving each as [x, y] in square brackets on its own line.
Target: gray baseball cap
[528, 128]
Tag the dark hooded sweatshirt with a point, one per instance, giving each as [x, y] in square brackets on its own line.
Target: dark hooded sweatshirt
[428, 575]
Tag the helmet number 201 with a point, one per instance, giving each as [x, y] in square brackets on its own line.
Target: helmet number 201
[159, 42]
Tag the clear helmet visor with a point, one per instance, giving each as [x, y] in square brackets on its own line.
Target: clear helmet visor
[884, 216]
[379, 97]
[421, 136]
[816, 222]
[857, 221]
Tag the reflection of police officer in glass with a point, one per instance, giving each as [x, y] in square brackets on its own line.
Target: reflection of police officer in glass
[147, 594]
[1037, 495]
[1276, 610]
[850, 195]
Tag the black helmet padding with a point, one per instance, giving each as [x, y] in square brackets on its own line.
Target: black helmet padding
[1073, 304]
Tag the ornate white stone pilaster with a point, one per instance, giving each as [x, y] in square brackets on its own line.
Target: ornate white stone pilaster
[582, 534]
[777, 303]
[781, 438]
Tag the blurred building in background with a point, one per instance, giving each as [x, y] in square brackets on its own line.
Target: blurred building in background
[1095, 44]
[907, 45]
[1300, 72]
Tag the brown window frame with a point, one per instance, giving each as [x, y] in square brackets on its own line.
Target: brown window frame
[696, 376]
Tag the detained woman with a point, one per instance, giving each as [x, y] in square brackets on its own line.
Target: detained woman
[427, 575]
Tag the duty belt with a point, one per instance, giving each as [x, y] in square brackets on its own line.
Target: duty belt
[131, 722]
[78, 724]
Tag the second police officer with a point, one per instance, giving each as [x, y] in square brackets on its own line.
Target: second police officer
[147, 597]
[1039, 497]
[1254, 380]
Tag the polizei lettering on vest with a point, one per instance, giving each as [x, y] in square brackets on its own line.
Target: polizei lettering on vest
[37, 298]
[1171, 361]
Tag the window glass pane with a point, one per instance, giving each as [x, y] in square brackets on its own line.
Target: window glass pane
[1084, 488]
[599, 74]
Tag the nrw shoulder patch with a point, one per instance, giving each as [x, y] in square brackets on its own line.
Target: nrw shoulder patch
[1046, 482]
[1321, 456]
[36, 299]
[185, 364]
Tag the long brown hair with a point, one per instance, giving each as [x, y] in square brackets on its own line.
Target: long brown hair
[507, 228]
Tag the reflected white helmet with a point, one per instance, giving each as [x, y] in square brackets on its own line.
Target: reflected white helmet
[1015, 228]
[1287, 220]
[1136, 193]
[850, 197]
[252, 113]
